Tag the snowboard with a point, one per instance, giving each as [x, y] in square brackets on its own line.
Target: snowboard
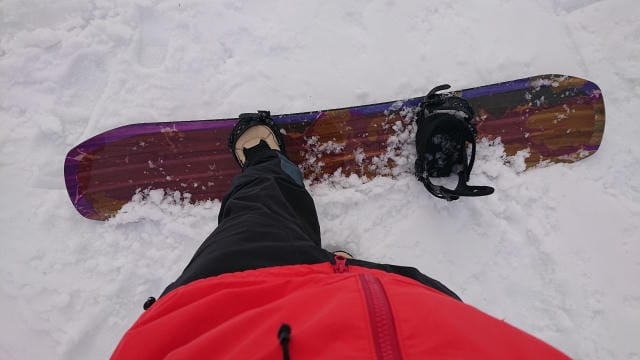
[554, 118]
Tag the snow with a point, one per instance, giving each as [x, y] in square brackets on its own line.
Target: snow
[554, 251]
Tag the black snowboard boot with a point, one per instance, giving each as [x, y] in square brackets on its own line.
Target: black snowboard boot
[250, 130]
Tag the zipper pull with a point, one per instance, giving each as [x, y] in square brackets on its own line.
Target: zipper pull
[341, 264]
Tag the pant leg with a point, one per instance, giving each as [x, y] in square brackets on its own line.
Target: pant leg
[267, 219]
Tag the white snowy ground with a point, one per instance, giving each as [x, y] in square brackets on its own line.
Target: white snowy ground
[555, 251]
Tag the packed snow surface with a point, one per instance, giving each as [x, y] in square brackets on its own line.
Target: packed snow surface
[555, 251]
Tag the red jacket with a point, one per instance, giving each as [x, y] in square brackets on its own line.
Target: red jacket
[333, 311]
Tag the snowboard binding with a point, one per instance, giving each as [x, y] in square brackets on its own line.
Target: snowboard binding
[444, 129]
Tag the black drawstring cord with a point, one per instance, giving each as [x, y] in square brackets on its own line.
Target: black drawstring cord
[284, 336]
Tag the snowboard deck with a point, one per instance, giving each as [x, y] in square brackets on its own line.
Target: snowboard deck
[557, 118]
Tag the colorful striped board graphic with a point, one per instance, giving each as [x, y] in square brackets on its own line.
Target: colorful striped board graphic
[555, 118]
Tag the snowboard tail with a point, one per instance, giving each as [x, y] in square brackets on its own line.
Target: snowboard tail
[555, 118]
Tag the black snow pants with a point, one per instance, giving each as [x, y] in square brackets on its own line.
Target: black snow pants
[269, 219]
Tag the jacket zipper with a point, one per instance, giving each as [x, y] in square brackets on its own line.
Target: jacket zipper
[385, 335]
